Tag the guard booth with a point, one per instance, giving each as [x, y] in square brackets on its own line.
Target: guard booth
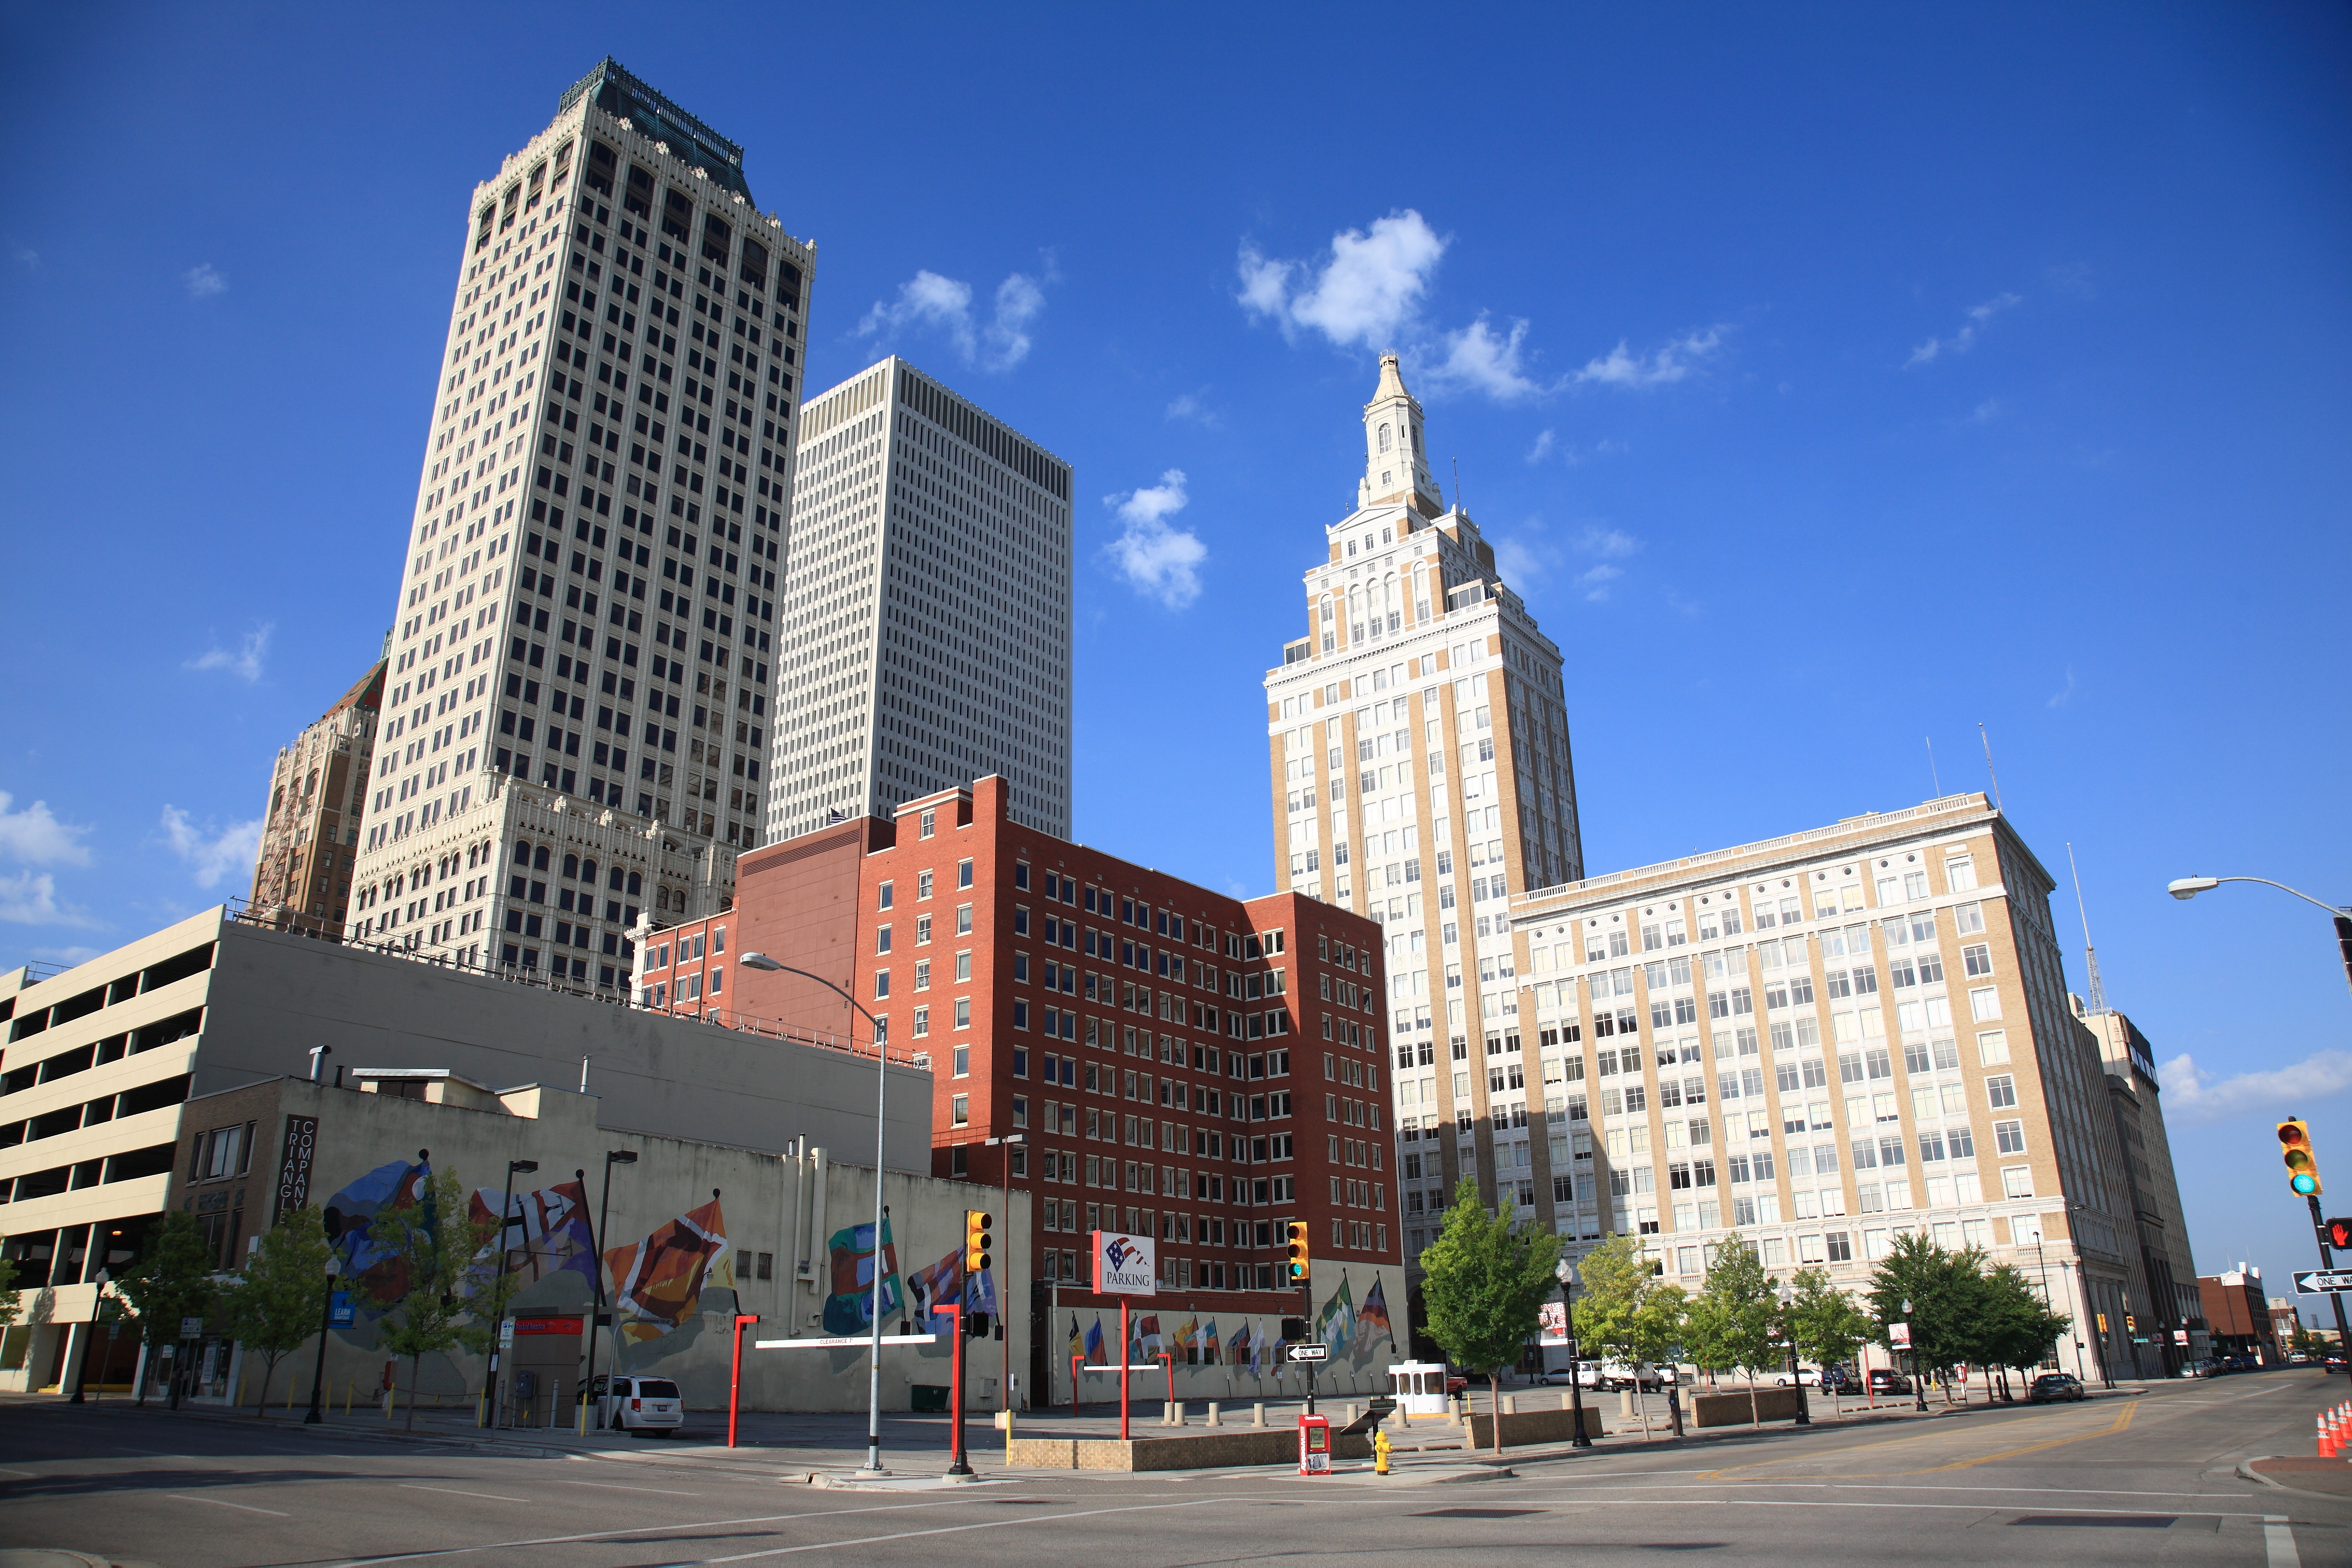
[1418, 1386]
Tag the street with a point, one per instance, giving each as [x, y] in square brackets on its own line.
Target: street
[2131, 1477]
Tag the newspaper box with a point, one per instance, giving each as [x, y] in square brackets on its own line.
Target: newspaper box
[1314, 1446]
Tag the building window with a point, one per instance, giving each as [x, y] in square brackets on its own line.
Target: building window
[922, 1022]
[963, 966]
[882, 938]
[2008, 1137]
[1992, 1046]
[963, 873]
[930, 822]
[882, 897]
[964, 920]
[963, 1013]
[960, 1110]
[1984, 1003]
[962, 1061]
[1961, 873]
[2000, 1093]
[2016, 1181]
[881, 985]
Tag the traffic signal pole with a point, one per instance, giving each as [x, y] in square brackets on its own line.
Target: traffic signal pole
[2327, 1260]
[1306, 1316]
[958, 1465]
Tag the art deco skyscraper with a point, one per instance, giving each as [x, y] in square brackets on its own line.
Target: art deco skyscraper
[576, 718]
[925, 634]
[1422, 775]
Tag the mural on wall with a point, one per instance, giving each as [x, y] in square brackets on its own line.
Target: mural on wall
[1360, 1339]
[849, 1309]
[546, 1233]
[376, 1278]
[944, 1284]
[658, 1282]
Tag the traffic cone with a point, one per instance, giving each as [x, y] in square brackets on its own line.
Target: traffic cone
[2326, 1445]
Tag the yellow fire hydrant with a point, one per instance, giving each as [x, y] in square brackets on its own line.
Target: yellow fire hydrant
[1379, 1452]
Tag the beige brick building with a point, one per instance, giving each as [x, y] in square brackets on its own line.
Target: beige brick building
[317, 793]
[1820, 1041]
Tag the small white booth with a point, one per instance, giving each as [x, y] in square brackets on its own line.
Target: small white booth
[1418, 1386]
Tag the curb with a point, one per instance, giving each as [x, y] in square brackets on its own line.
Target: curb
[2246, 1471]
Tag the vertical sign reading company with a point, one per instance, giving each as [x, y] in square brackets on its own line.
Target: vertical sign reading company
[294, 1169]
[1123, 1265]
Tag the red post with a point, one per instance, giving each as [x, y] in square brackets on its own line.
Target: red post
[735, 1379]
[1168, 1369]
[1126, 1349]
[957, 1464]
[1077, 1363]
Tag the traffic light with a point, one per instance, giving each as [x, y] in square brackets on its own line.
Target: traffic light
[1298, 1265]
[2294, 1148]
[975, 1325]
[976, 1241]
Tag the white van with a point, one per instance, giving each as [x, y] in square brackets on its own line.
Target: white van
[639, 1405]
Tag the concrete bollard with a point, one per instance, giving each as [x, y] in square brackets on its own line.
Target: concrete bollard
[1568, 1402]
[1257, 1415]
[1354, 1414]
[1510, 1404]
[1626, 1405]
[1216, 1415]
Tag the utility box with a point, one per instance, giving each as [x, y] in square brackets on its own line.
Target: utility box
[1314, 1446]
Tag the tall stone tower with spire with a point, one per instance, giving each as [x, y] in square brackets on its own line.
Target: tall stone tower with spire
[1421, 774]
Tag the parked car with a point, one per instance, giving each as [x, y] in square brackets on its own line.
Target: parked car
[1887, 1380]
[1561, 1376]
[2297, 1358]
[1841, 1380]
[2334, 1361]
[2203, 1367]
[1806, 1376]
[639, 1405]
[2053, 1386]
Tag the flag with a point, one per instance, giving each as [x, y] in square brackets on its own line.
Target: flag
[1373, 1318]
[849, 1310]
[1095, 1343]
[1187, 1337]
[658, 1282]
[546, 1230]
[1208, 1342]
[1146, 1333]
[1237, 1347]
[1077, 1341]
[1338, 1313]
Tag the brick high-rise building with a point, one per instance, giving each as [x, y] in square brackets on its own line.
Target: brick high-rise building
[1180, 1063]
[311, 833]
[926, 630]
[587, 612]
[1421, 775]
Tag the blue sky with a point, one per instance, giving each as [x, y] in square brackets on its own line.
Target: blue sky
[1830, 381]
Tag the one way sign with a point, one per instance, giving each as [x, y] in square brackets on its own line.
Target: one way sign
[2323, 1281]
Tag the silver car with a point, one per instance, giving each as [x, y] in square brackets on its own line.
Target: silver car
[640, 1404]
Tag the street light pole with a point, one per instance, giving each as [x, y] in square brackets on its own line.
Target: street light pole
[1565, 1273]
[1796, 1372]
[760, 961]
[2187, 887]
[1008, 1143]
[313, 1417]
[506, 1217]
[596, 1271]
[1918, 1386]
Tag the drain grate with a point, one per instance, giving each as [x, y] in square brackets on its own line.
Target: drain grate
[1475, 1513]
[2112, 1520]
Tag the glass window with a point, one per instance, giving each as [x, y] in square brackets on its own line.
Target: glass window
[963, 1061]
[960, 1110]
[963, 873]
[882, 897]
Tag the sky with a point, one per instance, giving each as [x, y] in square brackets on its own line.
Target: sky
[1832, 381]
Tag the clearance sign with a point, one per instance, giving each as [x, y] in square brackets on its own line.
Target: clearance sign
[1123, 1265]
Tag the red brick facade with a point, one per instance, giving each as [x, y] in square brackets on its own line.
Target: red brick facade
[1180, 1063]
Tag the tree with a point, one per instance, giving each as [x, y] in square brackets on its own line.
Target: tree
[1822, 1321]
[1946, 1290]
[1624, 1307]
[1485, 1287]
[12, 1300]
[1732, 1317]
[277, 1303]
[172, 1279]
[446, 1251]
[2015, 1328]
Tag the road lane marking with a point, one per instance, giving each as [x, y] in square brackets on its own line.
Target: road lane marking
[224, 1502]
[2278, 1542]
[617, 1534]
[28, 1475]
[2123, 1420]
[614, 1487]
[453, 1491]
[1023, 1518]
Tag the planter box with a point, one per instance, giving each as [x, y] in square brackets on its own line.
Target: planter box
[1525, 1426]
[1732, 1410]
[1210, 1450]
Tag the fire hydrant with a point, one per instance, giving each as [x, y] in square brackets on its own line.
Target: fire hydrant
[1379, 1452]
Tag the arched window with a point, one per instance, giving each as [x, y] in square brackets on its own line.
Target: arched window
[538, 861]
[635, 886]
[522, 852]
[1384, 437]
[588, 872]
[570, 866]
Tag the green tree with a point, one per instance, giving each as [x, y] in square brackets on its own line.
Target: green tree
[1484, 1288]
[1624, 1309]
[2015, 1328]
[1947, 1292]
[448, 1255]
[172, 1279]
[12, 1301]
[1731, 1319]
[1822, 1321]
[277, 1303]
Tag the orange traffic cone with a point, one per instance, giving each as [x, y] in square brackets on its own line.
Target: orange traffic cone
[2326, 1438]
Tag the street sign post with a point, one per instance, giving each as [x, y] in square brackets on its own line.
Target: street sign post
[2323, 1281]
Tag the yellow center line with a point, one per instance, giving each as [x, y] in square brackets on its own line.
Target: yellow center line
[2123, 1419]
[1848, 1449]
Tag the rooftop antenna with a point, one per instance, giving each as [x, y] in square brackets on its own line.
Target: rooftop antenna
[2090, 953]
[1458, 484]
[1932, 777]
[1987, 739]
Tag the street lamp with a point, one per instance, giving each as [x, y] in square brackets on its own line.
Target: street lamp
[1009, 1142]
[1918, 1386]
[604, 1211]
[506, 1213]
[760, 961]
[89, 1336]
[1796, 1372]
[2187, 887]
[326, 1321]
[1565, 1273]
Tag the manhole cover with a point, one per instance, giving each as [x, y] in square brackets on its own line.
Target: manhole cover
[2112, 1520]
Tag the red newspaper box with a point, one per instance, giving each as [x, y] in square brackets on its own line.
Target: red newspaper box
[1314, 1446]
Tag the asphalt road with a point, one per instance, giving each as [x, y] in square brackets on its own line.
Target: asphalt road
[2145, 1479]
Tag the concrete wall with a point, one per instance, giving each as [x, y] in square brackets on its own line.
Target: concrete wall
[1526, 1426]
[783, 1205]
[1733, 1409]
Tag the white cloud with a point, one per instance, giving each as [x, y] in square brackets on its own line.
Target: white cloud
[1158, 561]
[1477, 360]
[246, 662]
[25, 255]
[1610, 544]
[2191, 1096]
[1541, 449]
[2064, 696]
[1960, 342]
[69, 956]
[30, 898]
[1596, 580]
[35, 837]
[204, 281]
[1365, 296]
[930, 300]
[1985, 413]
[1669, 364]
[1194, 406]
[212, 854]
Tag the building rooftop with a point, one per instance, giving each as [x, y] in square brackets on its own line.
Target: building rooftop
[619, 93]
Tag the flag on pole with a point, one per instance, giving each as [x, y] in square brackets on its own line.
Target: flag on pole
[1337, 1315]
[849, 1310]
[1257, 1342]
[1095, 1343]
[1373, 1318]
[1208, 1342]
[658, 1282]
[1077, 1341]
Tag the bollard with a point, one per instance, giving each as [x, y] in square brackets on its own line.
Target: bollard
[1567, 1402]
[1510, 1404]
[1354, 1414]
[1625, 1404]
[1216, 1415]
[1257, 1415]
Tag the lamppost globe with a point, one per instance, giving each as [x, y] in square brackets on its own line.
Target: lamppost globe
[2189, 887]
[758, 960]
[1565, 1273]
